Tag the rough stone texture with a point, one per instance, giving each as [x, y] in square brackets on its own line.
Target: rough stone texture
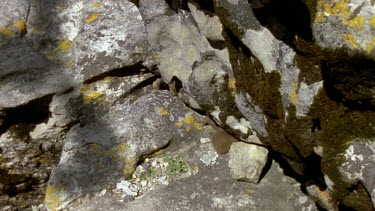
[358, 167]
[101, 151]
[209, 26]
[13, 20]
[25, 167]
[345, 24]
[247, 161]
[175, 38]
[113, 36]
[293, 76]
[212, 188]
[24, 79]
[284, 98]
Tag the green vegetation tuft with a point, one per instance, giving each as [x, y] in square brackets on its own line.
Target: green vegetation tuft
[176, 166]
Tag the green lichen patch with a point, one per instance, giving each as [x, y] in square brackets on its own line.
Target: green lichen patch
[175, 165]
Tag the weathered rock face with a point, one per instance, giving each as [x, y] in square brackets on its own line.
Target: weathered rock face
[86, 121]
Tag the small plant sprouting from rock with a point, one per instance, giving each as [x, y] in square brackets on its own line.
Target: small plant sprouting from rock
[175, 166]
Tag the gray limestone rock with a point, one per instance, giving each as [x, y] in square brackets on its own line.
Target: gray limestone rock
[247, 161]
[81, 87]
[108, 148]
[24, 79]
[175, 38]
[348, 25]
[113, 36]
[212, 188]
[13, 21]
[359, 166]
[25, 167]
[210, 27]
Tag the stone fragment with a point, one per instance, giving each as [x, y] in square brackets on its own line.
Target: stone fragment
[247, 161]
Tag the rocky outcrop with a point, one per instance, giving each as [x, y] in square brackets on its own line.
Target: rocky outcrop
[103, 105]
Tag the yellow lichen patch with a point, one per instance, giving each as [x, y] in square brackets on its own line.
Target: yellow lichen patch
[54, 197]
[7, 31]
[130, 163]
[122, 147]
[356, 22]
[157, 153]
[155, 85]
[61, 8]
[107, 80]
[37, 30]
[128, 170]
[340, 8]
[94, 148]
[97, 4]
[196, 169]
[320, 18]
[20, 24]
[250, 191]
[65, 45]
[89, 95]
[178, 124]
[324, 7]
[371, 46]
[188, 119]
[232, 85]
[293, 95]
[161, 111]
[69, 63]
[121, 152]
[197, 126]
[188, 128]
[351, 40]
[93, 16]
[323, 195]
[372, 21]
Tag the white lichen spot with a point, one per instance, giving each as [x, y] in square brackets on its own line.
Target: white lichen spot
[148, 121]
[234, 2]
[242, 126]
[209, 158]
[302, 199]
[205, 140]
[349, 154]
[216, 112]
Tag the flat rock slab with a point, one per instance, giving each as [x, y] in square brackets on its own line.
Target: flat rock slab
[359, 165]
[113, 36]
[106, 148]
[247, 161]
[23, 79]
[212, 189]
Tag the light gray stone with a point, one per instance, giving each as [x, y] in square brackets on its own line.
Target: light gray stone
[359, 164]
[212, 188]
[348, 25]
[24, 79]
[247, 161]
[108, 148]
[113, 36]
[210, 27]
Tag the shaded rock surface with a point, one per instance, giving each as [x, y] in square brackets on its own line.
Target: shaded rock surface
[103, 105]
[211, 188]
